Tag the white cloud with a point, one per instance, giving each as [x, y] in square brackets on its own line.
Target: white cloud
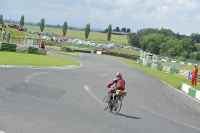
[191, 5]
[126, 2]
[163, 9]
[117, 12]
[128, 13]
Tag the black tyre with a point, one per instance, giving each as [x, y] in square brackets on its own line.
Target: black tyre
[117, 106]
[105, 102]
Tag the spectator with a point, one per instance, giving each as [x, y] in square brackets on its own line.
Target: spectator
[8, 36]
[42, 45]
[4, 35]
[194, 75]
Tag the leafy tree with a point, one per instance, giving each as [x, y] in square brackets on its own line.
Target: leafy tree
[163, 48]
[197, 46]
[1, 18]
[87, 30]
[195, 38]
[133, 40]
[166, 32]
[171, 52]
[197, 55]
[187, 44]
[64, 28]
[152, 42]
[117, 29]
[146, 31]
[22, 20]
[109, 32]
[123, 30]
[42, 23]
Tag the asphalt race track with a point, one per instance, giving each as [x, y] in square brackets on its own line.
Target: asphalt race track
[62, 101]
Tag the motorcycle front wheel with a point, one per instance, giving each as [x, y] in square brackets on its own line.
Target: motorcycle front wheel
[105, 102]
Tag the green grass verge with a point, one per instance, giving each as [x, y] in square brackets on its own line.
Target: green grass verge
[70, 54]
[12, 58]
[166, 77]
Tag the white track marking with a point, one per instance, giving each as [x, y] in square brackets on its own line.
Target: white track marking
[144, 107]
[182, 92]
[77, 66]
[2, 131]
[103, 75]
[80, 65]
[88, 90]
[147, 109]
[33, 75]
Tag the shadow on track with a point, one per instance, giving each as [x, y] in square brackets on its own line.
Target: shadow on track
[129, 116]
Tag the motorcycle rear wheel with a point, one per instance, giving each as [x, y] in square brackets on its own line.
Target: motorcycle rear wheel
[117, 106]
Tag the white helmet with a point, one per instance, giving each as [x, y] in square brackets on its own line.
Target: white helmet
[118, 74]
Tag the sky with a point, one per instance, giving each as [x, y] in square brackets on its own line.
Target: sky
[181, 16]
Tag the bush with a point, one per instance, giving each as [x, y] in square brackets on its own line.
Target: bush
[68, 49]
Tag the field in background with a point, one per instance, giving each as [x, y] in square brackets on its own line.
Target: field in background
[77, 34]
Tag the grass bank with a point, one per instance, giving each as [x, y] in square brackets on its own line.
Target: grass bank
[166, 77]
[12, 58]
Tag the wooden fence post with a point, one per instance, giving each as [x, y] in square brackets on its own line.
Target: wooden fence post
[13, 39]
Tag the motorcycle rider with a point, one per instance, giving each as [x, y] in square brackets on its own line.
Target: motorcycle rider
[119, 85]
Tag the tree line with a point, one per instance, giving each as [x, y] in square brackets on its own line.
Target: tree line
[64, 27]
[167, 43]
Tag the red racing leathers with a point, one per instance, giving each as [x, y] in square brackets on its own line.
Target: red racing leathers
[119, 85]
[194, 76]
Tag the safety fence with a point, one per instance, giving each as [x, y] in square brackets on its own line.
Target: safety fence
[127, 56]
[179, 62]
[171, 70]
[21, 48]
[20, 40]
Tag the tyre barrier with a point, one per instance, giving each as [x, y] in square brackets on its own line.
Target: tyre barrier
[190, 90]
[181, 73]
[171, 70]
[21, 48]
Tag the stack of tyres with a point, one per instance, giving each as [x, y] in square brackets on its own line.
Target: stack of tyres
[8, 47]
[22, 48]
[42, 51]
[32, 50]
